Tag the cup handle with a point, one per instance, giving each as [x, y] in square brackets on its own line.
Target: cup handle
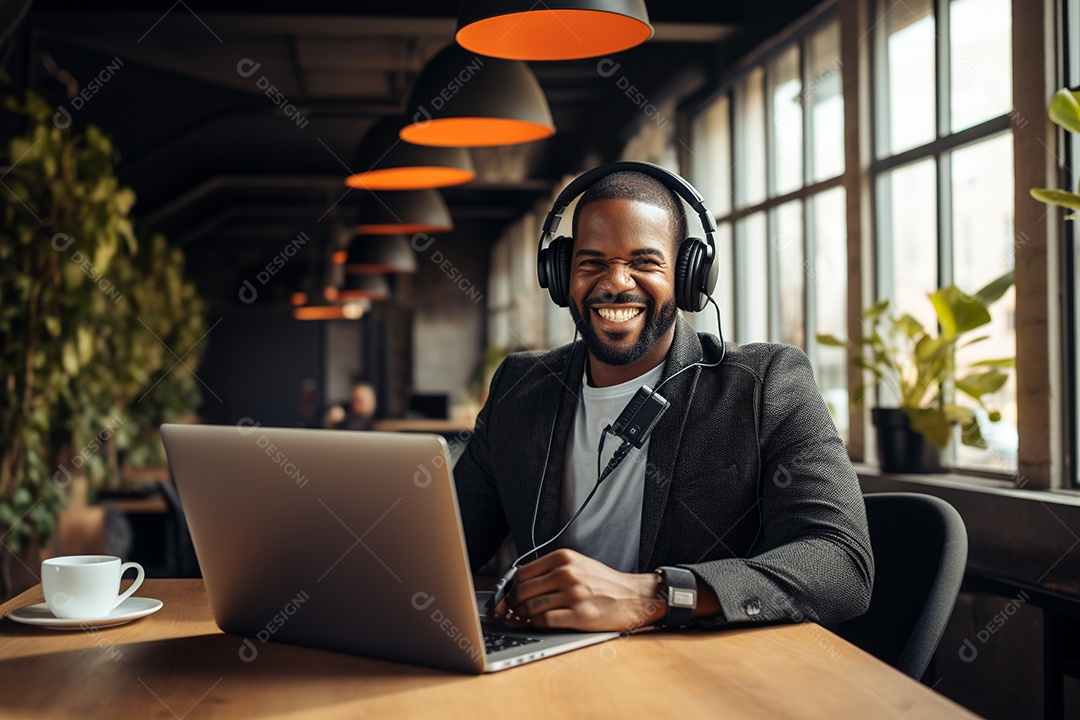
[135, 585]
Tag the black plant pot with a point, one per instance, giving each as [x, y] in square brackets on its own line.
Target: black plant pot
[901, 449]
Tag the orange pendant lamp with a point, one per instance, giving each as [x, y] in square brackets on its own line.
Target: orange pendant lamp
[347, 311]
[405, 212]
[553, 29]
[464, 99]
[384, 161]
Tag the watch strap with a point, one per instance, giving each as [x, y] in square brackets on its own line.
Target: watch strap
[680, 593]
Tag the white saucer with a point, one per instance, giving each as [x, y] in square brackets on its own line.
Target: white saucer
[131, 609]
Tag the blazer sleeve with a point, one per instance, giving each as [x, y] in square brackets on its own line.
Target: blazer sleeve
[812, 560]
[482, 516]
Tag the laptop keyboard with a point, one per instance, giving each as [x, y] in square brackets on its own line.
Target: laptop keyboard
[494, 642]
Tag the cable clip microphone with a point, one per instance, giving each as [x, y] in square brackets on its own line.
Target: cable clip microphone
[634, 424]
[501, 588]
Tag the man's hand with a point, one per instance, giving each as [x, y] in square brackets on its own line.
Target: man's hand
[568, 590]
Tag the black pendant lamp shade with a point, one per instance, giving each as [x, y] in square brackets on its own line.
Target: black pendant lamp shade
[465, 99]
[405, 212]
[552, 29]
[379, 254]
[386, 162]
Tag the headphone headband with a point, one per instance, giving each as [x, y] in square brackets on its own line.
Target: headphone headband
[673, 182]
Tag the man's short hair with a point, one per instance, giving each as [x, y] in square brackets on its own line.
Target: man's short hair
[634, 185]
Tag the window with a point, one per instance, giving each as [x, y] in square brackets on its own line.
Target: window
[943, 176]
[768, 155]
[1072, 229]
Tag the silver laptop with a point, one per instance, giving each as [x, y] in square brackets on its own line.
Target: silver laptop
[347, 541]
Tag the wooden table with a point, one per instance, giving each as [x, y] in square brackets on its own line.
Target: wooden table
[177, 664]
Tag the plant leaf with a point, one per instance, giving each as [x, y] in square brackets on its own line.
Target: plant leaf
[972, 341]
[993, 290]
[958, 312]
[1061, 198]
[1065, 109]
[998, 362]
[875, 311]
[909, 326]
[978, 384]
[830, 340]
[932, 423]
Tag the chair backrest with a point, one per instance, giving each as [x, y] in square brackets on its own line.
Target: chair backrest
[920, 552]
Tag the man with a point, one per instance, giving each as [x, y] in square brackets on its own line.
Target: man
[360, 414]
[743, 482]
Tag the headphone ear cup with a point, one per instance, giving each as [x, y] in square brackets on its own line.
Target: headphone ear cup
[684, 274]
[558, 270]
[694, 275]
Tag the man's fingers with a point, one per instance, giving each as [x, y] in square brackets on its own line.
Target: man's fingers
[525, 590]
[546, 563]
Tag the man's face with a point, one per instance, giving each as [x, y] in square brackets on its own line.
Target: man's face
[622, 279]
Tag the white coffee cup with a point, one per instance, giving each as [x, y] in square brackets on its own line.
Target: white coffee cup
[84, 587]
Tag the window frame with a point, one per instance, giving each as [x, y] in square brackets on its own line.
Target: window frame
[940, 149]
[731, 86]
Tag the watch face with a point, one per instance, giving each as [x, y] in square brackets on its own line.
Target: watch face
[683, 598]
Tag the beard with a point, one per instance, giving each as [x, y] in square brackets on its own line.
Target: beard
[658, 320]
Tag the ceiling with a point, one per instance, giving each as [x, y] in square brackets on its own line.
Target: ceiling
[230, 176]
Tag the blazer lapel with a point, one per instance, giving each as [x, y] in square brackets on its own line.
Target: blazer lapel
[667, 436]
[547, 522]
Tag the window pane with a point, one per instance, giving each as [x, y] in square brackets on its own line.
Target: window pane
[785, 88]
[710, 138]
[907, 258]
[828, 277]
[909, 112]
[825, 100]
[724, 294]
[983, 249]
[752, 280]
[1073, 34]
[981, 41]
[750, 139]
[787, 243]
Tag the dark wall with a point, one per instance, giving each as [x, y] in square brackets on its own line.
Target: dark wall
[256, 364]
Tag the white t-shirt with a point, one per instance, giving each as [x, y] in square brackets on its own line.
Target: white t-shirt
[609, 529]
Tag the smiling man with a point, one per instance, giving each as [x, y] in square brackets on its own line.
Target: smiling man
[742, 505]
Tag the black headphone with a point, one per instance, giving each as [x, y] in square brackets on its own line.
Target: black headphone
[695, 267]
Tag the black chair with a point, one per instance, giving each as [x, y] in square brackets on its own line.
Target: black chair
[920, 551]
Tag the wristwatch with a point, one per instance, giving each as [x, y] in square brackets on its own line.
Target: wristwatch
[680, 592]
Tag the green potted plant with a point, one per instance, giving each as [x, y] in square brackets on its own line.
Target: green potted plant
[922, 371]
[1064, 111]
[90, 319]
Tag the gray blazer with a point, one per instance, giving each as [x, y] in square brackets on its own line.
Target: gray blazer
[793, 546]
